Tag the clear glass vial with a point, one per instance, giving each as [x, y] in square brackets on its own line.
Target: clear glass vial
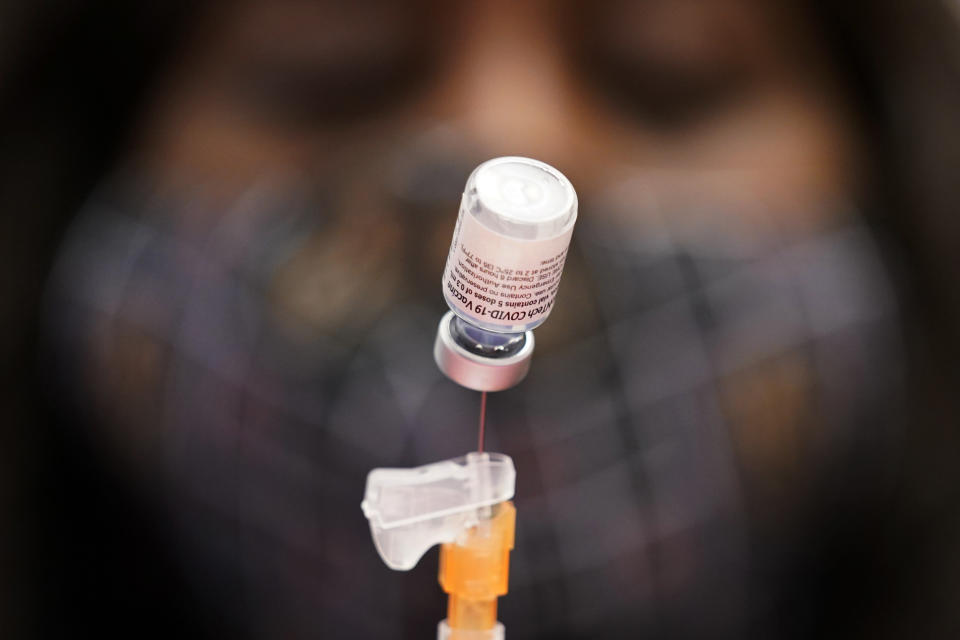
[503, 270]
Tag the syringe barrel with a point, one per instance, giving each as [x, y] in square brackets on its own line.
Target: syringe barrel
[444, 632]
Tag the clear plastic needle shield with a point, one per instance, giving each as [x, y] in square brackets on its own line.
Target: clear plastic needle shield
[411, 510]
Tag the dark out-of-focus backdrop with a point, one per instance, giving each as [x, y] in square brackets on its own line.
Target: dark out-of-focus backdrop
[222, 234]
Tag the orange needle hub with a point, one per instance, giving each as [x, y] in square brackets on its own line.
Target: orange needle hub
[474, 571]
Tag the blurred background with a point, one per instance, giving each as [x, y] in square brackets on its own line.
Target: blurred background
[224, 226]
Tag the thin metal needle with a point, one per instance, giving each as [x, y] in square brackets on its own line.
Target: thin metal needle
[483, 419]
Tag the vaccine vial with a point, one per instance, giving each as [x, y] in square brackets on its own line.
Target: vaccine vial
[503, 270]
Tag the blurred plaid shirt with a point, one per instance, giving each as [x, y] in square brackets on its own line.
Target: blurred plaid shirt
[689, 465]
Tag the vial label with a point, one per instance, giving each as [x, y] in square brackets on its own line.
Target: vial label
[502, 283]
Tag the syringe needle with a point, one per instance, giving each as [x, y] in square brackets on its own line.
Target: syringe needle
[483, 419]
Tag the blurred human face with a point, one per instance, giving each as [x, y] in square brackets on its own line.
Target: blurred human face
[599, 89]
[724, 107]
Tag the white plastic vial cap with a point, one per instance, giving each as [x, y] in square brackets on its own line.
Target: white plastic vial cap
[510, 243]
